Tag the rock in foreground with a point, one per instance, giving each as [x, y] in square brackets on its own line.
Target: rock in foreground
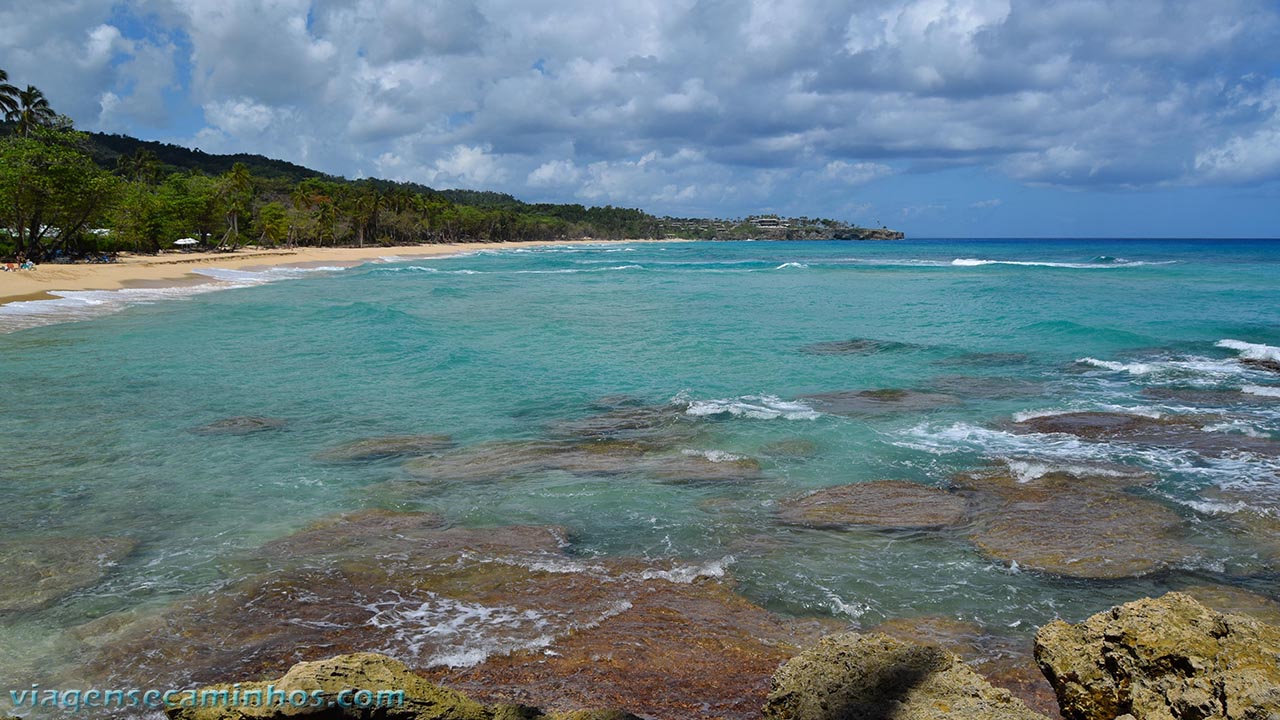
[345, 680]
[874, 677]
[1169, 658]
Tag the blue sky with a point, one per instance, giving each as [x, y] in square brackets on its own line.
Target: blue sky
[940, 117]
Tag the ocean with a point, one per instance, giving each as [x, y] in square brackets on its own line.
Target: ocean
[668, 405]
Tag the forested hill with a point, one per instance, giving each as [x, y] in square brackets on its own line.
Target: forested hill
[65, 193]
[108, 149]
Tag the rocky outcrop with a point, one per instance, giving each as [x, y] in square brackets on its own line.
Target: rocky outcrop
[874, 677]
[884, 504]
[1004, 661]
[1169, 658]
[357, 686]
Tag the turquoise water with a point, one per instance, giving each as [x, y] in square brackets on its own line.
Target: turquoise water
[512, 345]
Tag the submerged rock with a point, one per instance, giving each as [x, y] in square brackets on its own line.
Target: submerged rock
[38, 572]
[790, 449]
[981, 386]
[873, 677]
[383, 448]
[502, 613]
[502, 460]
[1077, 526]
[1167, 658]
[874, 402]
[991, 359]
[884, 504]
[241, 425]
[1203, 396]
[856, 346]
[488, 461]
[683, 650]
[1231, 600]
[664, 425]
[1174, 431]
[1261, 364]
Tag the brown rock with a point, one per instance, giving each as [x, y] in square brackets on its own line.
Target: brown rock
[1177, 431]
[884, 503]
[1003, 661]
[1167, 658]
[873, 677]
[1075, 526]
[501, 613]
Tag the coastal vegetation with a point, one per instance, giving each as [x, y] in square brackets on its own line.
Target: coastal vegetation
[68, 194]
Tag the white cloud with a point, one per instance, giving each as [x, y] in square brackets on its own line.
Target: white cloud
[1242, 159]
[855, 173]
[555, 173]
[468, 167]
[679, 104]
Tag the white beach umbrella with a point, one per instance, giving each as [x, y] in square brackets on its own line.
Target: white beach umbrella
[186, 241]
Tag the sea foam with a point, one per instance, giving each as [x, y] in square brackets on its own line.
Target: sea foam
[759, 407]
[1251, 351]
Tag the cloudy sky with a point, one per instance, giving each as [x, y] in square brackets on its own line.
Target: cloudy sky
[939, 117]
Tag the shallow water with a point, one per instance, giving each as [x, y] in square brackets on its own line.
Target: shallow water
[699, 353]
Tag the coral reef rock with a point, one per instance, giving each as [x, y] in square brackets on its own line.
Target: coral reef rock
[356, 686]
[874, 677]
[1169, 658]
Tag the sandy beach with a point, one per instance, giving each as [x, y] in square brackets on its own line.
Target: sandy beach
[175, 268]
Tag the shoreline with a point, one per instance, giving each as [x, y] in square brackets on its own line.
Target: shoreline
[177, 269]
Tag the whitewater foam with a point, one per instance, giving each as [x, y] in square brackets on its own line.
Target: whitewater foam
[1105, 265]
[715, 456]
[1187, 366]
[1251, 351]
[1143, 410]
[686, 574]
[1262, 390]
[759, 407]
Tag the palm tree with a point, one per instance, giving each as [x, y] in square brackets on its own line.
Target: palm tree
[237, 190]
[8, 96]
[33, 111]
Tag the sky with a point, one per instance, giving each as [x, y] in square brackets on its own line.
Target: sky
[942, 118]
